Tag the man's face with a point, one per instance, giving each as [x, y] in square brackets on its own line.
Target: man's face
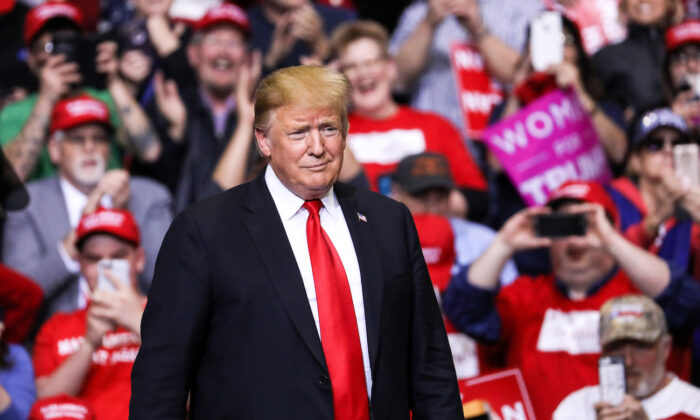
[684, 66]
[217, 59]
[655, 153]
[434, 200]
[576, 262]
[647, 12]
[81, 153]
[104, 246]
[305, 147]
[644, 363]
[370, 73]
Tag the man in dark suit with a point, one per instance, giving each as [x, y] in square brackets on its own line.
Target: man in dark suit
[293, 296]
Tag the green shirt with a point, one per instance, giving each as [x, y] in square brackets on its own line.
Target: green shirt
[14, 116]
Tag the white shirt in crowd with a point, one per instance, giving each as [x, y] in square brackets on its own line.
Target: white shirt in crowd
[678, 397]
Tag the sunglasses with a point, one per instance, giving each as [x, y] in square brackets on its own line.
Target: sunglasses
[658, 143]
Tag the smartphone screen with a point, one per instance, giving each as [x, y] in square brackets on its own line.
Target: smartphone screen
[560, 225]
[611, 376]
[686, 162]
[546, 41]
[119, 269]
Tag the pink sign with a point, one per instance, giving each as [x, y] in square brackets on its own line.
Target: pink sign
[597, 20]
[504, 391]
[547, 143]
[477, 92]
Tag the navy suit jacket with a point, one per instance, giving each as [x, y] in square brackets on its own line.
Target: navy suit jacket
[228, 318]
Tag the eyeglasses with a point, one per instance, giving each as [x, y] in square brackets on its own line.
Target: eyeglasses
[684, 56]
[83, 140]
[367, 64]
[658, 143]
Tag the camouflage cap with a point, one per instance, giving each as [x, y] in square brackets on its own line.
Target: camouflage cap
[631, 317]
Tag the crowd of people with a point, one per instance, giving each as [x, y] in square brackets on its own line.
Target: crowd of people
[120, 114]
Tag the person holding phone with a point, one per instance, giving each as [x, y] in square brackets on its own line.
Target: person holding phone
[89, 353]
[546, 325]
[659, 203]
[633, 327]
[24, 124]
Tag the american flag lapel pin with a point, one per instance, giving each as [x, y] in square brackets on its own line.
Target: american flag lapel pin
[362, 217]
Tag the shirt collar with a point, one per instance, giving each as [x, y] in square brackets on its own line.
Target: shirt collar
[75, 200]
[289, 204]
[595, 287]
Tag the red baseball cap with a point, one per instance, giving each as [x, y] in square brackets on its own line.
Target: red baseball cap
[78, 110]
[40, 15]
[116, 222]
[6, 6]
[61, 407]
[438, 243]
[225, 13]
[683, 33]
[586, 191]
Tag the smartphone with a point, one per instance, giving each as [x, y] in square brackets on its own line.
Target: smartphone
[686, 163]
[119, 269]
[546, 40]
[67, 43]
[560, 225]
[611, 376]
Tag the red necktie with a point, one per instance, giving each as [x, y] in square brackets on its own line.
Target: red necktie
[339, 336]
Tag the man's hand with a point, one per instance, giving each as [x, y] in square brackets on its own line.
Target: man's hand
[282, 41]
[600, 233]
[469, 15]
[106, 61]
[114, 183]
[629, 409]
[57, 76]
[170, 106]
[164, 38]
[97, 327]
[437, 10]
[123, 306]
[247, 80]
[517, 233]
[69, 245]
[307, 26]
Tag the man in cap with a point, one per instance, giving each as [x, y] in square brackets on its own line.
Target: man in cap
[423, 183]
[547, 325]
[216, 152]
[633, 327]
[24, 124]
[89, 353]
[40, 240]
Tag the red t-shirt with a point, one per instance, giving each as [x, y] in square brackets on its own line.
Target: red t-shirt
[107, 387]
[379, 145]
[553, 339]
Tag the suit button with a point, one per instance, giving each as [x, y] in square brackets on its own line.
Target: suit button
[323, 380]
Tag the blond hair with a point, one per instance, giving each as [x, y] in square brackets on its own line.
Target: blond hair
[310, 86]
[349, 32]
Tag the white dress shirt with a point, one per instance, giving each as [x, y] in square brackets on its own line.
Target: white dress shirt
[294, 216]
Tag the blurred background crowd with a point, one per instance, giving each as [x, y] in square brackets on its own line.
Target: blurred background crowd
[118, 114]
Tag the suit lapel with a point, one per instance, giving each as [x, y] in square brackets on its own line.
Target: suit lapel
[53, 208]
[268, 234]
[364, 240]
